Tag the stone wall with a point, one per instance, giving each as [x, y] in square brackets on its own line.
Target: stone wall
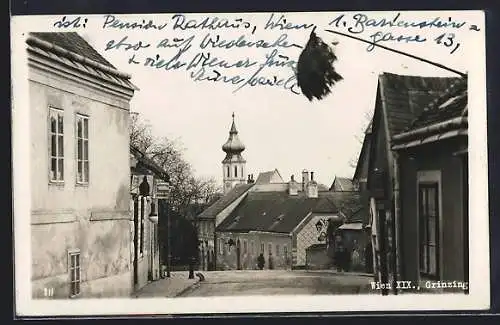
[104, 255]
[311, 232]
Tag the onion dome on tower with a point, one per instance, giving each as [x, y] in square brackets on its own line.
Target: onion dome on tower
[233, 145]
[233, 165]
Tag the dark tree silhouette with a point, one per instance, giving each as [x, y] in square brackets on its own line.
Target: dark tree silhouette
[315, 72]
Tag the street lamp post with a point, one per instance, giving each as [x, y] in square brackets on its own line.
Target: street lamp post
[169, 254]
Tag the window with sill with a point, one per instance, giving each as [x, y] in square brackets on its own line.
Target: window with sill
[82, 152]
[74, 272]
[56, 145]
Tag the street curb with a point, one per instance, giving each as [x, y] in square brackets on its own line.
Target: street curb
[183, 291]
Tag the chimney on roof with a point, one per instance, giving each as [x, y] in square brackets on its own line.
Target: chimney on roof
[292, 186]
[305, 179]
[312, 188]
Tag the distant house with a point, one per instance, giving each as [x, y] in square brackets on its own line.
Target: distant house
[399, 100]
[431, 156]
[212, 217]
[80, 174]
[145, 174]
[270, 177]
[342, 184]
[281, 224]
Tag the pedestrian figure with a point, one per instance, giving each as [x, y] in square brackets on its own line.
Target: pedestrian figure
[347, 259]
[261, 261]
[339, 255]
[271, 262]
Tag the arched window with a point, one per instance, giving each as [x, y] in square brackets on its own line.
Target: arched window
[241, 171]
[228, 172]
[235, 171]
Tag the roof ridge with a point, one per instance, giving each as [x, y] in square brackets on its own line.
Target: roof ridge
[52, 47]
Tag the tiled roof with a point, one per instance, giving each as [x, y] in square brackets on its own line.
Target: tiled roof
[404, 97]
[71, 50]
[266, 177]
[219, 205]
[453, 103]
[281, 213]
[75, 43]
[321, 187]
[349, 203]
[342, 184]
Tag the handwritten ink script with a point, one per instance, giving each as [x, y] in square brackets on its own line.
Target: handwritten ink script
[216, 49]
[396, 29]
[259, 51]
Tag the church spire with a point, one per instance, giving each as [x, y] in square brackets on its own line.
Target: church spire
[233, 164]
[233, 127]
[233, 145]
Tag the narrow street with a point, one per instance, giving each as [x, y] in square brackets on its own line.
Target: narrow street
[278, 282]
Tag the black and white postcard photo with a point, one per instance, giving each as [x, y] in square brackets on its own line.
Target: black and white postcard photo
[182, 163]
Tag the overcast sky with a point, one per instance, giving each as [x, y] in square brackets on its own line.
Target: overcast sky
[280, 129]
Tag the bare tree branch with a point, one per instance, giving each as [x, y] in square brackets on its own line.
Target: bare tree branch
[186, 188]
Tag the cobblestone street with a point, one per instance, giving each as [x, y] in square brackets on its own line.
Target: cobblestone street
[276, 282]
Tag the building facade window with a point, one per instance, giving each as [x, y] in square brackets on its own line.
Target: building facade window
[277, 250]
[262, 248]
[428, 200]
[270, 248]
[235, 171]
[228, 172]
[245, 248]
[82, 152]
[285, 251]
[56, 144]
[74, 272]
[252, 247]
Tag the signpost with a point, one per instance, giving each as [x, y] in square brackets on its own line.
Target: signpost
[162, 189]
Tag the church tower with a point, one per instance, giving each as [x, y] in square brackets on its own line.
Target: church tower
[233, 166]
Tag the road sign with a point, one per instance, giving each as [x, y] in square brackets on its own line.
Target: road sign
[162, 190]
